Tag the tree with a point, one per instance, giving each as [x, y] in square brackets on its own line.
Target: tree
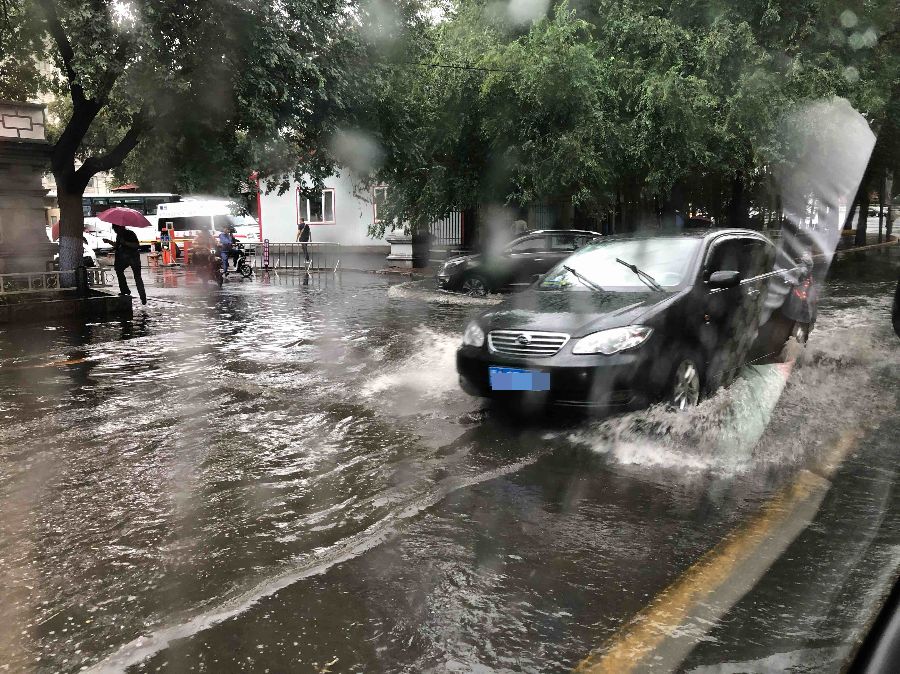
[208, 89]
[640, 107]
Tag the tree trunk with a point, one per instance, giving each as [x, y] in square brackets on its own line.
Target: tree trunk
[848, 221]
[737, 209]
[881, 212]
[863, 217]
[619, 214]
[71, 228]
[779, 211]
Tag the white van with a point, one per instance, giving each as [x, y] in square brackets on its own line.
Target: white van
[191, 216]
[145, 203]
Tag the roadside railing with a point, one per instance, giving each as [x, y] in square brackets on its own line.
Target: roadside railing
[29, 282]
[322, 256]
[19, 283]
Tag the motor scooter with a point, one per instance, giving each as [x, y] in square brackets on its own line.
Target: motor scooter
[239, 256]
[208, 264]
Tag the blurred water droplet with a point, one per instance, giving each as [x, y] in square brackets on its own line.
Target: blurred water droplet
[848, 19]
[527, 11]
[851, 74]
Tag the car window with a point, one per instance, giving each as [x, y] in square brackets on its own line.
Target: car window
[723, 256]
[564, 242]
[757, 258]
[529, 245]
[749, 257]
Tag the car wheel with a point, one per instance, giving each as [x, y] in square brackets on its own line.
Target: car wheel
[685, 384]
[791, 350]
[800, 332]
[475, 285]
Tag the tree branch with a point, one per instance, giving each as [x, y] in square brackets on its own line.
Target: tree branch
[58, 33]
[140, 122]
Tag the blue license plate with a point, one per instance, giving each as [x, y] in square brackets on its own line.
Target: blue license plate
[513, 379]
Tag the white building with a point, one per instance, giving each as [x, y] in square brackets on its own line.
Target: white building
[342, 214]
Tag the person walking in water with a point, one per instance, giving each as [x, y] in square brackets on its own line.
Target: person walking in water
[304, 236]
[127, 254]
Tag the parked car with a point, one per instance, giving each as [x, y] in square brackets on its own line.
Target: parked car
[97, 244]
[89, 258]
[625, 322]
[515, 266]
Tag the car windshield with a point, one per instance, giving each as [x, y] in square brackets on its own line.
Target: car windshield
[667, 260]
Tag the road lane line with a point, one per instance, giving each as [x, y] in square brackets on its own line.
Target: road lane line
[317, 563]
[661, 635]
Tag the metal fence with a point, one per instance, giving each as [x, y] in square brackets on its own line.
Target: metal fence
[48, 281]
[448, 231]
[317, 256]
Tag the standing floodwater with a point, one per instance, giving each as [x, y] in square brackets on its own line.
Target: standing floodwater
[285, 475]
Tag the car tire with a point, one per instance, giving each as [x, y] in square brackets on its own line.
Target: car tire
[475, 285]
[685, 386]
[800, 333]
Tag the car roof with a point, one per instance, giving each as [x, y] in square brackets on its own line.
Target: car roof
[543, 232]
[704, 233]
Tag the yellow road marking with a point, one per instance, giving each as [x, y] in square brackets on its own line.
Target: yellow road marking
[665, 614]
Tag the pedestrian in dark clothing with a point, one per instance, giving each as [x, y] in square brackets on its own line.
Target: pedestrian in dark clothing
[127, 254]
[304, 235]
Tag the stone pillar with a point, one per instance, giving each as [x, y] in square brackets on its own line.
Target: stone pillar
[24, 158]
[401, 249]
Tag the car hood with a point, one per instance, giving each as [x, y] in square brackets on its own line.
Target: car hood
[573, 312]
[461, 259]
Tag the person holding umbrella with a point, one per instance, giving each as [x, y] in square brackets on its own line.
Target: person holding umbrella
[126, 246]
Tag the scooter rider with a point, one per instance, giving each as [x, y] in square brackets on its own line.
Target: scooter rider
[225, 245]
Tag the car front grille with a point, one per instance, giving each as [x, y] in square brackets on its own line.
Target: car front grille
[526, 342]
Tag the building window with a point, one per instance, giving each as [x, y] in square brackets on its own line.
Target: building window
[319, 210]
[379, 200]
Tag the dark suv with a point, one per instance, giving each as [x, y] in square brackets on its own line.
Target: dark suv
[628, 321]
[515, 266]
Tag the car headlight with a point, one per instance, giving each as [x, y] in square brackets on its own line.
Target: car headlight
[474, 335]
[612, 341]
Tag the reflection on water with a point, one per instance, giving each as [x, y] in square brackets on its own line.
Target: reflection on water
[163, 474]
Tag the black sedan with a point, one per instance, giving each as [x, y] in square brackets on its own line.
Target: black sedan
[515, 266]
[626, 322]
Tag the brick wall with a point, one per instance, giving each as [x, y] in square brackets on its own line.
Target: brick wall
[21, 121]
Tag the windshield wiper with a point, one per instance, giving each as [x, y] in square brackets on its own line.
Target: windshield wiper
[648, 280]
[581, 277]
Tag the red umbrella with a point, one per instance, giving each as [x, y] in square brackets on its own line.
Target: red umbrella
[127, 217]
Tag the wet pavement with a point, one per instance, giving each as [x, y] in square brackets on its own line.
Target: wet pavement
[284, 475]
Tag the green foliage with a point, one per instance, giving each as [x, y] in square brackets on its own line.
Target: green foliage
[609, 102]
[210, 89]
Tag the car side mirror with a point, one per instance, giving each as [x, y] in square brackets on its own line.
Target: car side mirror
[724, 279]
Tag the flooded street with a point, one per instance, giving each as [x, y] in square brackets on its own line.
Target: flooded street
[285, 476]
